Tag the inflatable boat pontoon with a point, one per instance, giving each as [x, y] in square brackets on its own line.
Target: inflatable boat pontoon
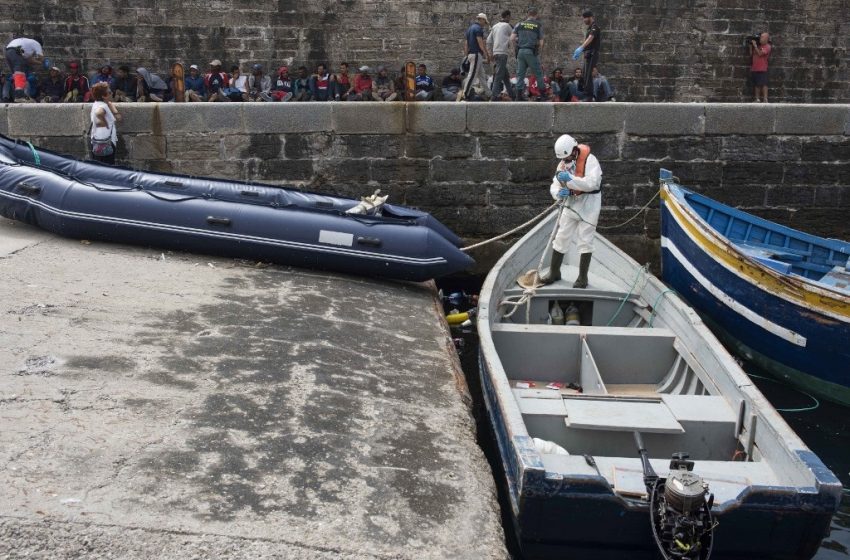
[226, 218]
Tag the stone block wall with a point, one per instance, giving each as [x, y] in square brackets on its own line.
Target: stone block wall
[485, 168]
[653, 50]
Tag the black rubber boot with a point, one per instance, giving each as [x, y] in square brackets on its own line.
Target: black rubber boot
[583, 266]
[554, 272]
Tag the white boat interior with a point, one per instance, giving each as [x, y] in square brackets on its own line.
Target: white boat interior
[638, 359]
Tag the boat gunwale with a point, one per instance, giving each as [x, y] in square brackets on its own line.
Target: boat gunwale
[797, 283]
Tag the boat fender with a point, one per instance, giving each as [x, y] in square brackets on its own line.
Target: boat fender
[549, 447]
[460, 318]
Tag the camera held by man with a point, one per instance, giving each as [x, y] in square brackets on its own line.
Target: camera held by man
[755, 39]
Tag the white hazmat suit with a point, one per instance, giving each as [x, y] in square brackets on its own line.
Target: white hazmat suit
[581, 214]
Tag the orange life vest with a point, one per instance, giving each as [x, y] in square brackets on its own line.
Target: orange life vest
[581, 159]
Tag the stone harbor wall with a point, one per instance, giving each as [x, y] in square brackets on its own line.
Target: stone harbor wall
[485, 168]
[653, 50]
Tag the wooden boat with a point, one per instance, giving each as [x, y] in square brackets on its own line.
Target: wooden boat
[226, 218]
[777, 296]
[566, 403]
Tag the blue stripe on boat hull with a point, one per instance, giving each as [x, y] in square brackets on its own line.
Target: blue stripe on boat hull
[556, 518]
[827, 353]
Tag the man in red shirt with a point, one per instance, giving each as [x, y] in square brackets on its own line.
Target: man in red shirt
[362, 86]
[76, 85]
[760, 52]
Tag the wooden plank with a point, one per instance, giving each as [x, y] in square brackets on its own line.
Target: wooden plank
[621, 416]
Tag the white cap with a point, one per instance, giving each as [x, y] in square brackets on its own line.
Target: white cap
[215, 62]
[194, 67]
[364, 68]
[483, 16]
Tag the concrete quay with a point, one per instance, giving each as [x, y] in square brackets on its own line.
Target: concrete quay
[170, 405]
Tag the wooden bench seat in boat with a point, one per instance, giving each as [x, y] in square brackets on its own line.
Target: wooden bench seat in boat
[663, 414]
[620, 415]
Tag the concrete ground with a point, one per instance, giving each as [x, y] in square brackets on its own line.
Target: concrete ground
[180, 406]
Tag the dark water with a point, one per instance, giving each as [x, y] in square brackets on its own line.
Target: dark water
[823, 429]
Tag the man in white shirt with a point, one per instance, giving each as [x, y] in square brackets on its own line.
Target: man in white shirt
[498, 43]
[20, 53]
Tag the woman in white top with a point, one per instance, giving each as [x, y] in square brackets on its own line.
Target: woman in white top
[104, 114]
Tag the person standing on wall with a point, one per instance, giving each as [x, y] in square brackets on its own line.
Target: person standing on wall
[499, 41]
[20, 54]
[476, 54]
[528, 39]
[104, 114]
[578, 180]
[760, 53]
[590, 48]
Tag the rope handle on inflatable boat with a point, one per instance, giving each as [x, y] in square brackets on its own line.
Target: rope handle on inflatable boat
[36, 158]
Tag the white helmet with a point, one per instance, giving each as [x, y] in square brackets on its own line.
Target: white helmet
[564, 146]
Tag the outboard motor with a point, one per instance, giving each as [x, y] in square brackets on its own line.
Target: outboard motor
[679, 508]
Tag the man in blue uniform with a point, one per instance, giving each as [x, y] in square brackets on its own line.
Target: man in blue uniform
[528, 39]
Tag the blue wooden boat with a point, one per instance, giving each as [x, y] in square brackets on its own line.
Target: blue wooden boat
[777, 296]
[565, 401]
[226, 218]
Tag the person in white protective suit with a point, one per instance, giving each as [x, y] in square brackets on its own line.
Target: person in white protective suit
[578, 179]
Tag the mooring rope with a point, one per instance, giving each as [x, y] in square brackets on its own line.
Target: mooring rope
[538, 217]
[521, 227]
[644, 207]
[529, 293]
[814, 406]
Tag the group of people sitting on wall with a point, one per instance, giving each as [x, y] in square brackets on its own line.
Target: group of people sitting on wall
[218, 85]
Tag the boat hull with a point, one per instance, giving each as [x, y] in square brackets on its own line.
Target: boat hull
[792, 340]
[556, 517]
[231, 219]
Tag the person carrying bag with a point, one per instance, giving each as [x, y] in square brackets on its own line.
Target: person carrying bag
[104, 114]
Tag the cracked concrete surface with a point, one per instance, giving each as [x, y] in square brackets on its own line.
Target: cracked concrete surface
[178, 406]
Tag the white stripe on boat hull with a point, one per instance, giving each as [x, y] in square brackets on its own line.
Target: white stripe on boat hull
[742, 310]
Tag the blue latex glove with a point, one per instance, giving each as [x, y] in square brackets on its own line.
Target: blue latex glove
[577, 53]
[564, 177]
[46, 64]
[564, 193]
